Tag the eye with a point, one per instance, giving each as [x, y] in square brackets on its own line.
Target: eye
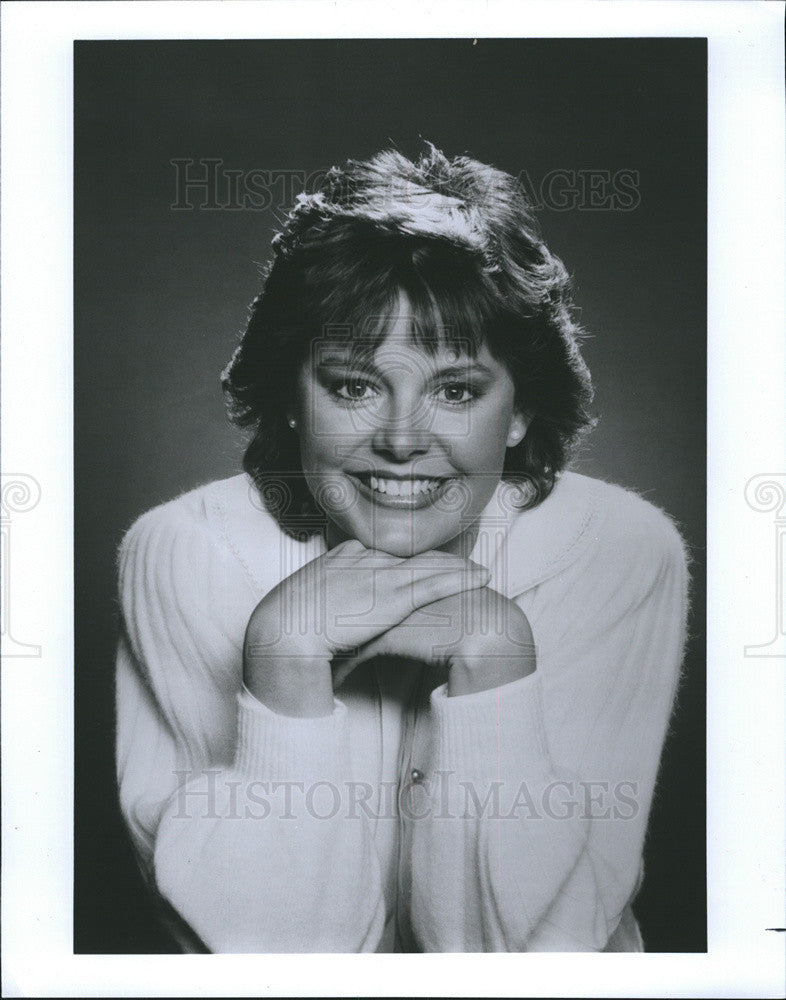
[353, 390]
[455, 393]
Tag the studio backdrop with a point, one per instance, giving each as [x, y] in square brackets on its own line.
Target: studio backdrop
[187, 157]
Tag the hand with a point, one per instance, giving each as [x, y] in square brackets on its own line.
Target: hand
[334, 605]
[481, 637]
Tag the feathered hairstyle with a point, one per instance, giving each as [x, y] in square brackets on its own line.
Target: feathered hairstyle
[460, 240]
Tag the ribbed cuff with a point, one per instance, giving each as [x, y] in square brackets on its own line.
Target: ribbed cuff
[272, 747]
[488, 733]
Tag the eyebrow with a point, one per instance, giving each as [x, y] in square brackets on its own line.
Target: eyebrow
[368, 367]
[472, 367]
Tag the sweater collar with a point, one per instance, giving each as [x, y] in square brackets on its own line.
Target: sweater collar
[522, 548]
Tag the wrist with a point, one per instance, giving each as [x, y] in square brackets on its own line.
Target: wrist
[288, 677]
[471, 672]
[292, 688]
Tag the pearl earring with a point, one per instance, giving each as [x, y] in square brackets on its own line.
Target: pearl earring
[292, 423]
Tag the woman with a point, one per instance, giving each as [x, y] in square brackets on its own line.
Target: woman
[404, 684]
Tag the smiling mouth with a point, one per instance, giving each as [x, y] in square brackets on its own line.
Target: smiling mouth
[414, 492]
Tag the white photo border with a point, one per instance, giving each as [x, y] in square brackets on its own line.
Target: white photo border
[747, 438]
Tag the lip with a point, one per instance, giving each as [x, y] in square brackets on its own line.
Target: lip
[414, 502]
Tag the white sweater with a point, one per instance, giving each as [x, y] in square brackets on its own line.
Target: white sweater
[508, 820]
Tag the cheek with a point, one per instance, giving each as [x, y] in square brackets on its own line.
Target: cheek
[484, 445]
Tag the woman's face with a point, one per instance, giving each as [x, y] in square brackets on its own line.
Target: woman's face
[404, 451]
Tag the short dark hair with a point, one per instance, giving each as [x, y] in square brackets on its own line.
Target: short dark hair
[459, 238]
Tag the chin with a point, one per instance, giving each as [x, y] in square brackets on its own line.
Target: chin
[403, 548]
[403, 542]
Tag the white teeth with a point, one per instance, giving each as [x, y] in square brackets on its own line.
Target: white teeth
[403, 487]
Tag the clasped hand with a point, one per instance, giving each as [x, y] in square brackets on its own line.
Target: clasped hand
[352, 603]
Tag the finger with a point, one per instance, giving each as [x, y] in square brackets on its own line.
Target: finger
[351, 548]
[432, 563]
[438, 557]
[353, 544]
[433, 588]
[421, 562]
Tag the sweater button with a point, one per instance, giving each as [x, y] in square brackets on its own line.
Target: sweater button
[417, 776]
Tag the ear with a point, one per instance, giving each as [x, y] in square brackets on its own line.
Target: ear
[519, 423]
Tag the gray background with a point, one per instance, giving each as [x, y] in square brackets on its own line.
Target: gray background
[161, 296]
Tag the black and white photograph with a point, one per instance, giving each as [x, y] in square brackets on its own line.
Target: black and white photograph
[394, 376]
[397, 657]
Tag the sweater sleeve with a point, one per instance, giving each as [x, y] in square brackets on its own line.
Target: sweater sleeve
[231, 808]
[546, 782]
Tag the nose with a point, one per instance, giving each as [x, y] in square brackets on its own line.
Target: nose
[403, 430]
